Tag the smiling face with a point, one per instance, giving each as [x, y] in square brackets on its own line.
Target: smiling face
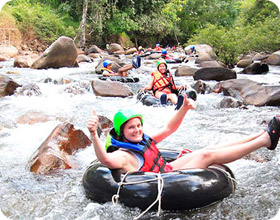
[133, 130]
[162, 68]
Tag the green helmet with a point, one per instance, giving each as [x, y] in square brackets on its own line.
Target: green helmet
[122, 116]
[160, 62]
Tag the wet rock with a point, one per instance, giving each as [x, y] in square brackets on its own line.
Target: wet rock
[274, 59]
[104, 125]
[4, 58]
[255, 68]
[29, 90]
[75, 90]
[110, 89]
[115, 48]
[54, 153]
[131, 51]
[7, 86]
[252, 93]
[201, 87]
[83, 58]
[212, 63]
[214, 73]
[185, 71]
[25, 61]
[62, 53]
[229, 102]
[244, 62]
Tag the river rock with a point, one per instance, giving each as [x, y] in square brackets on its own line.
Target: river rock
[93, 49]
[131, 51]
[212, 63]
[115, 48]
[185, 70]
[110, 88]
[61, 53]
[7, 86]
[274, 59]
[255, 68]
[244, 62]
[229, 102]
[25, 61]
[260, 56]
[83, 58]
[201, 87]
[252, 93]
[54, 152]
[214, 73]
[4, 58]
[153, 56]
[8, 50]
[29, 90]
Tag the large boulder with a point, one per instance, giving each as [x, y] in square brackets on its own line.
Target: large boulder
[214, 73]
[7, 86]
[54, 153]
[110, 88]
[255, 68]
[252, 93]
[62, 53]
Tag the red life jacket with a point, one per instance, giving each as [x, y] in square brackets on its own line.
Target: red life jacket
[161, 81]
[153, 161]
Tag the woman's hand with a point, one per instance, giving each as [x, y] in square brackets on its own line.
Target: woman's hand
[189, 103]
[92, 123]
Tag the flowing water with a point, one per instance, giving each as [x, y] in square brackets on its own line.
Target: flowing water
[60, 195]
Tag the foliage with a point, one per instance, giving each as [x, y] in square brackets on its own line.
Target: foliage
[231, 27]
[39, 21]
[229, 43]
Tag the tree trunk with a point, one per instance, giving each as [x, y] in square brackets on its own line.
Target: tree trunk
[82, 40]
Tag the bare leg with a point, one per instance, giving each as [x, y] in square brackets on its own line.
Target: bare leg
[123, 70]
[206, 157]
[173, 97]
[236, 142]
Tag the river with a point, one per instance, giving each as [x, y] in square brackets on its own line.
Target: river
[25, 195]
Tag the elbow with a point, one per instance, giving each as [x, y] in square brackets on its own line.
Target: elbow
[108, 163]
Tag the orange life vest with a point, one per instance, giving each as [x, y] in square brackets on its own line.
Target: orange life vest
[162, 81]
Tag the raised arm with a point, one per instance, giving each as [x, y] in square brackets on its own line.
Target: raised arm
[108, 159]
[175, 121]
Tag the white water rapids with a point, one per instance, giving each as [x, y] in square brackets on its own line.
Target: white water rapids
[60, 195]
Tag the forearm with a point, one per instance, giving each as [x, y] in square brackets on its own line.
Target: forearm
[177, 119]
